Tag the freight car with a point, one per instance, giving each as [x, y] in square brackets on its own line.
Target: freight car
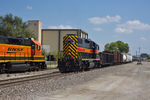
[20, 54]
[118, 58]
[78, 54]
[106, 58]
[124, 57]
[127, 58]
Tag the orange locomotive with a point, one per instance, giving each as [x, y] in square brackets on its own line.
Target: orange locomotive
[20, 54]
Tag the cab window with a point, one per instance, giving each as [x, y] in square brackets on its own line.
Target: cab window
[80, 41]
[38, 47]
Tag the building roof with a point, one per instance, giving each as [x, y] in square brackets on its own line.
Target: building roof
[64, 30]
[34, 21]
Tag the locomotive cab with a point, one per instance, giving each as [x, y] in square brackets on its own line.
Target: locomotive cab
[36, 48]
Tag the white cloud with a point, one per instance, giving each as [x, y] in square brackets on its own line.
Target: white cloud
[107, 19]
[130, 26]
[123, 30]
[29, 7]
[142, 38]
[61, 27]
[98, 29]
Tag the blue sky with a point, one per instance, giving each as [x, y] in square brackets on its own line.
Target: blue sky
[104, 20]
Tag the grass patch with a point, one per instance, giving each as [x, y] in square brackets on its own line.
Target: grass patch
[8, 75]
[148, 60]
[51, 64]
[51, 67]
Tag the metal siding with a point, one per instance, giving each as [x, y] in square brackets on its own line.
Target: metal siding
[51, 38]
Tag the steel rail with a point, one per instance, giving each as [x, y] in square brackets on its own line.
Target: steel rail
[17, 81]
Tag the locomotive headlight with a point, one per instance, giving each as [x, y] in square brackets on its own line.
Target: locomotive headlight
[69, 40]
[72, 42]
[65, 42]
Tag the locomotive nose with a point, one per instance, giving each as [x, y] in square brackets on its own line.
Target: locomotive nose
[70, 47]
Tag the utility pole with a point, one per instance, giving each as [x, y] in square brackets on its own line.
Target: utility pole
[139, 61]
[139, 50]
[139, 54]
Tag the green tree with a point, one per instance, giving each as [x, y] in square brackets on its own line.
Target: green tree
[145, 55]
[14, 26]
[122, 47]
[107, 47]
[118, 46]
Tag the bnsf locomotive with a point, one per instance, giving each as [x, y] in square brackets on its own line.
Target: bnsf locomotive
[20, 53]
[78, 54]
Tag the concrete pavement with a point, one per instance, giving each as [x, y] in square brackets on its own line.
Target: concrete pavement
[122, 82]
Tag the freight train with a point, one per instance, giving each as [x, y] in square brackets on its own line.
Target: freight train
[82, 54]
[20, 54]
[17, 54]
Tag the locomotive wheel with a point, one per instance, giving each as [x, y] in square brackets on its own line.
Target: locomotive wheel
[61, 66]
[2, 70]
[37, 68]
[69, 67]
[62, 69]
[8, 67]
[43, 66]
[77, 68]
[82, 67]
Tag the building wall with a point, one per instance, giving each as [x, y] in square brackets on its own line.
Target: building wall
[54, 37]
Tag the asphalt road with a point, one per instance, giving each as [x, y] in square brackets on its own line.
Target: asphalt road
[122, 82]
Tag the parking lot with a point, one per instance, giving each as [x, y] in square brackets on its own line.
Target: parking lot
[121, 82]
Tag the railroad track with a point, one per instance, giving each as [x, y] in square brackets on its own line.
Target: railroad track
[20, 80]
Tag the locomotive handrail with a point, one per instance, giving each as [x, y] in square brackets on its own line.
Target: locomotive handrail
[4, 56]
[15, 55]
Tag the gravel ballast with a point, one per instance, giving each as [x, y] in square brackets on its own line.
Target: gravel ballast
[37, 88]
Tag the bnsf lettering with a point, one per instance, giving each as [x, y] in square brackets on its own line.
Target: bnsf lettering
[15, 49]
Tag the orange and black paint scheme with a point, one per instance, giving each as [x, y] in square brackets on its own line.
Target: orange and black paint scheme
[19, 53]
[78, 54]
